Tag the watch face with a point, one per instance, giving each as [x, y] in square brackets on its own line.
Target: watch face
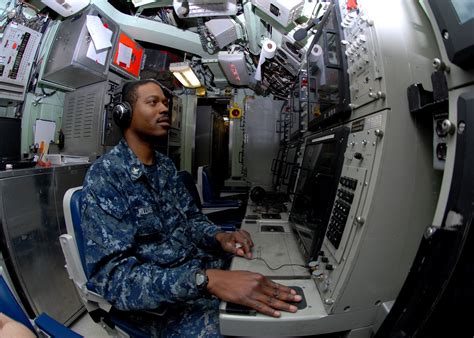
[200, 279]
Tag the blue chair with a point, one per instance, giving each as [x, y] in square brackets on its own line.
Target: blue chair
[190, 185]
[209, 197]
[43, 325]
[72, 243]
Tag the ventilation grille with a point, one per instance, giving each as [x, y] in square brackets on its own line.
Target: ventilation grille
[83, 109]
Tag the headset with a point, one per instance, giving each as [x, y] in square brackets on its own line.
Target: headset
[122, 114]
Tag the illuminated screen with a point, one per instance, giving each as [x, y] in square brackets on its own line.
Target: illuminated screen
[464, 10]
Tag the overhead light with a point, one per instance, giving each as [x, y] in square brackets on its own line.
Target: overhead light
[184, 73]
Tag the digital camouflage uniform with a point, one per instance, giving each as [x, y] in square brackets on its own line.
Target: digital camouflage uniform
[144, 241]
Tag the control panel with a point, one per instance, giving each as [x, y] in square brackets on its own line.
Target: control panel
[347, 216]
[18, 48]
[363, 59]
[342, 207]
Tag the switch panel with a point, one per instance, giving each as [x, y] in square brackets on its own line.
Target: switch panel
[363, 59]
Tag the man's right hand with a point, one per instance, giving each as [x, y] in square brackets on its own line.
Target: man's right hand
[253, 290]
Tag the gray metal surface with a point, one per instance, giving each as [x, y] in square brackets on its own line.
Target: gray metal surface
[83, 120]
[262, 142]
[146, 30]
[398, 196]
[32, 219]
[68, 63]
[275, 249]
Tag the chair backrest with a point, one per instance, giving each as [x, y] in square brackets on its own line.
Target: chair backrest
[9, 305]
[211, 180]
[72, 214]
[204, 184]
[190, 185]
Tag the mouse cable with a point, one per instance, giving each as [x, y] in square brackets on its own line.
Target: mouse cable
[272, 268]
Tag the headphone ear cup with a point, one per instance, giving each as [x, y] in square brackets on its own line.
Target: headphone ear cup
[122, 114]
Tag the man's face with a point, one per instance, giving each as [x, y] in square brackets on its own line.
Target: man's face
[150, 112]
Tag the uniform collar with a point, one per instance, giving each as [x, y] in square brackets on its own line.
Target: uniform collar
[132, 164]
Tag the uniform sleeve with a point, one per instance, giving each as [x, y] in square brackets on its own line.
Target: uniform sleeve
[113, 268]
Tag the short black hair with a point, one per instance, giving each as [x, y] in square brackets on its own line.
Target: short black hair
[129, 90]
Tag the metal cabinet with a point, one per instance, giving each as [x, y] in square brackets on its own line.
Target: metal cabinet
[31, 219]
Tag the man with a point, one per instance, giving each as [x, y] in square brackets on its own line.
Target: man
[147, 244]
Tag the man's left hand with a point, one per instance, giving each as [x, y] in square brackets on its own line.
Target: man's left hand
[238, 242]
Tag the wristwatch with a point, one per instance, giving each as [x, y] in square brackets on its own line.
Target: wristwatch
[201, 280]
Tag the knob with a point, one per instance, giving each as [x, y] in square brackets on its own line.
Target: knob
[318, 275]
[447, 127]
[358, 156]
[360, 220]
[361, 38]
[364, 142]
[439, 65]
[329, 267]
[378, 95]
[329, 301]
[378, 132]
[324, 259]
[321, 253]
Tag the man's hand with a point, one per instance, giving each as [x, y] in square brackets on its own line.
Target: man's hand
[10, 328]
[238, 242]
[252, 290]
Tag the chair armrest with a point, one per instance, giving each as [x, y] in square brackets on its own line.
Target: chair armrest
[225, 202]
[53, 328]
[73, 261]
[76, 273]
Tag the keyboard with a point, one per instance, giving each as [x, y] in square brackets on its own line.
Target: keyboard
[207, 9]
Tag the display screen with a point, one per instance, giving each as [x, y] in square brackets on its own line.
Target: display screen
[316, 187]
[10, 142]
[290, 169]
[464, 10]
[328, 92]
[455, 22]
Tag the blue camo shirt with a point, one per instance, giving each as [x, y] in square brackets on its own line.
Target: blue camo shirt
[144, 236]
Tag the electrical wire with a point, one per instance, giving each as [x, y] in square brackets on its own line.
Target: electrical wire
[272, 268]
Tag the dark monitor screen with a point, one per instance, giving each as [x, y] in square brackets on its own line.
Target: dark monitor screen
[455, 19]
[328, 89]
[316, 188]
[10, 141]
[290, 171]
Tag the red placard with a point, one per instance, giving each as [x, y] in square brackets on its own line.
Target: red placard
[122, 60]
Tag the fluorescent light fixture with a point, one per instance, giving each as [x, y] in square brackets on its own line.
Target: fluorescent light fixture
[184, 73]
[138, 3]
